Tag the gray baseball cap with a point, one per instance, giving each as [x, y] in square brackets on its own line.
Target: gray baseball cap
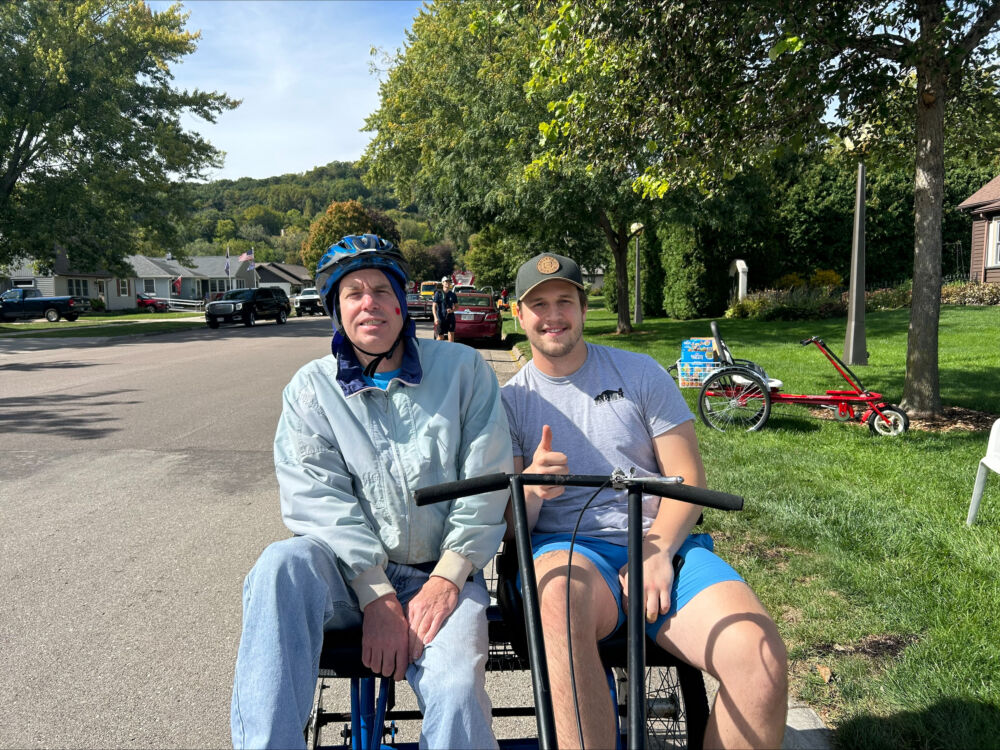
[546, 267]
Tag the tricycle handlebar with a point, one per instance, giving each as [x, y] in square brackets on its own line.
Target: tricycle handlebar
[671, 487]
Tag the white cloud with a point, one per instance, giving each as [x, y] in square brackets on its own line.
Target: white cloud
[302, 71]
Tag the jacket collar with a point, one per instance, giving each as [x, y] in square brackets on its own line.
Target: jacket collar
[349, 369]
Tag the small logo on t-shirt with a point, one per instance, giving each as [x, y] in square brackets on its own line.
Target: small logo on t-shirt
[606, 397]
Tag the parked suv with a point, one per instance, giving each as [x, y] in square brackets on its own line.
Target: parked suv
[246, 306]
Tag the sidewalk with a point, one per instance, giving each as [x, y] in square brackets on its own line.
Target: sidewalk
[804, 730]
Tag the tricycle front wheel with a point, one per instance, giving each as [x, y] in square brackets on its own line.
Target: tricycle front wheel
[897, 423]
[734, 399]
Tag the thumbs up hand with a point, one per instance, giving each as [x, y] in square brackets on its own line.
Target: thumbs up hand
[547, 461]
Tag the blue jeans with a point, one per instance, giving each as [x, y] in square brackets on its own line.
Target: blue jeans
[292, 595]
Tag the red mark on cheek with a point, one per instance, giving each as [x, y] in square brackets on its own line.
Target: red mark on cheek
[397, 311]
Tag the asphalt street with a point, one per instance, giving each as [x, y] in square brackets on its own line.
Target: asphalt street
[137, 490]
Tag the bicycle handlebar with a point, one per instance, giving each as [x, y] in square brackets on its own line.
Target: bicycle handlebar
[671, 487]
[806, 342]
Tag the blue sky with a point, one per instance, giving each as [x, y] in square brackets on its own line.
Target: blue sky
[302, 71]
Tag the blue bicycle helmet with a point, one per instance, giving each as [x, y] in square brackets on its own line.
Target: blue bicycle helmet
[354, 253]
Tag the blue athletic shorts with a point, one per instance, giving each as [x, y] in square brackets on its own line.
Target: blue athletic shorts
[701, 568]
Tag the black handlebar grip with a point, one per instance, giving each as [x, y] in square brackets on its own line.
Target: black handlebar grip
[806, 342]
[696, 495]
[460, 488]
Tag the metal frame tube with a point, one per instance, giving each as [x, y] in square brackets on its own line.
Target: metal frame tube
[636, 625]
[532, 620]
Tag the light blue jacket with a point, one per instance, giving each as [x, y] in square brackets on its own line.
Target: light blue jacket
[348, 458]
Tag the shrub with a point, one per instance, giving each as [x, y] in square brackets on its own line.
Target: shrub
[687, 287]
[970, 293]
[97, 304]
[797, 303]
[789, 281]
[890, 298]
[825, 277]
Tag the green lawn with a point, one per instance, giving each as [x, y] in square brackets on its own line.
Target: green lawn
[113, 324]
[857, 544]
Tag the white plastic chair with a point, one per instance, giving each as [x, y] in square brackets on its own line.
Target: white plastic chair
[991, 461]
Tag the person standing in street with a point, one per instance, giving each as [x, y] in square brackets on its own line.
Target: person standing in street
[444, 311]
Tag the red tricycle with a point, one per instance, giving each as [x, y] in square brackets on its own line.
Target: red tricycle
[738, 395]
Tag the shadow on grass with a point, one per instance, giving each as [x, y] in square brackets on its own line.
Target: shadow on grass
[949, 723]
[512, 339]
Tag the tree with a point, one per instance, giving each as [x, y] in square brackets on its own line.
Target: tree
[91, 144]
[693, 93]
[267, 218]
[455, 134]
[339, 220]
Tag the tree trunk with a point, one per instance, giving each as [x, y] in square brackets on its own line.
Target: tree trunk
[619, 250]
[921, 388]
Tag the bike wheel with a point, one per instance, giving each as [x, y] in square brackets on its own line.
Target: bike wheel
[897, 425]
[676, 706]
[734, 399]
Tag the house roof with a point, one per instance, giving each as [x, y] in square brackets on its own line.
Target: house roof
[288, 272]
[148, 268]
[987, 194]
[25, 270]
[214, 266]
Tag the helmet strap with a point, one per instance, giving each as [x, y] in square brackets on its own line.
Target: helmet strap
[377, 358]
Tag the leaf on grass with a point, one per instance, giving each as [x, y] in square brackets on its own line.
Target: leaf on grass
[824, 672]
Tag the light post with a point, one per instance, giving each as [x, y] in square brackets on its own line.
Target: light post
[636, 230]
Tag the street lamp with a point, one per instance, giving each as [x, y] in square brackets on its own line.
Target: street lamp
[636, 230]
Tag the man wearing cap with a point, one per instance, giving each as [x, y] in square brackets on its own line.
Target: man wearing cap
[360, 429]
[444, 311]
[582, 408]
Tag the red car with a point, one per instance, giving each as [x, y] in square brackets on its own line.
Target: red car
[148, 303]
[476, 317]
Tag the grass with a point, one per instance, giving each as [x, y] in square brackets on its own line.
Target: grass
[112, 324]
[857, 544]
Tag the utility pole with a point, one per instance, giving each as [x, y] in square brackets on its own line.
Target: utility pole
[855, 346]
[636, 230]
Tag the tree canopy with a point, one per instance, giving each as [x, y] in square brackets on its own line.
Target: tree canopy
[693, 93]
[455, 134]
[91, 146]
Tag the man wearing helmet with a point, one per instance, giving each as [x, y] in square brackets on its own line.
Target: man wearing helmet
[360, 430]
[444, 311]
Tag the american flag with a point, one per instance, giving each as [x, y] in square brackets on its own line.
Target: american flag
[248, 255]
[227, 261]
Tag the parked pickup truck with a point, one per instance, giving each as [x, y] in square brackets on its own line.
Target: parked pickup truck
[29, 303]
[307, 302]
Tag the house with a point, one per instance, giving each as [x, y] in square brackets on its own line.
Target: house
[984, 206]
[160, 277]
[291, 278]
[64, 280]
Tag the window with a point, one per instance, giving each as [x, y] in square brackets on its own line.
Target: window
[22, 283]
[993, 243]
[78, 288]
[149, 286]
[123, 288]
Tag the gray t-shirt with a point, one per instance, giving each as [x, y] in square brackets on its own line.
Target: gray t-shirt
[603, 417]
